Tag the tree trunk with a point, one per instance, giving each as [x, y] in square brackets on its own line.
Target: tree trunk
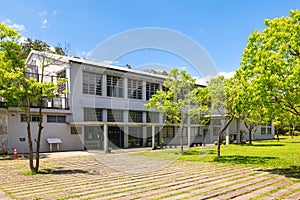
[219, 143]
[220, 133]
[30, 145]
[38, 141]
[250, 136]
[277, 133]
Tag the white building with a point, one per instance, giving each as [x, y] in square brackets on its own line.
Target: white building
[105, 108]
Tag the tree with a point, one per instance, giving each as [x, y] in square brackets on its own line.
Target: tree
[35, 44]
[270, 67]
[249, 108]
[19, 88]
[222, 93]
[174, 102]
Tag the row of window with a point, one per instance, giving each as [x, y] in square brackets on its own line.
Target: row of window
[95, 114]
[92, 84]
[50, 118]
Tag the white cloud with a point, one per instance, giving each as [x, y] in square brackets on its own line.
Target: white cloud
[54, 12]
[22, 39]
[42, 13]
[44, 23]
[206, 79]
[227, 74]
[18, 27]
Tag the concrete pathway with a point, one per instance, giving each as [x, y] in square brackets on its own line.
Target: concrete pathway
[95, 175]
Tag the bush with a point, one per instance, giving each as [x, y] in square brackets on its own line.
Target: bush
[296, 133]
[243, 142]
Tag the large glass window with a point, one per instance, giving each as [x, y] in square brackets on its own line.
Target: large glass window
[56, 119]
[168, 131]
[91, 83]
[265, 130]
[114, 115]
[114, 86]
[216, 130]
[32, 71]
[135, 116]
[152, 117]
[151, 88]
[33, 118]
[61, 88]
[75, 130]
[134, 89]
[92, 114]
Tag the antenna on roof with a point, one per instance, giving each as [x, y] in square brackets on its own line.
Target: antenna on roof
[128, 66]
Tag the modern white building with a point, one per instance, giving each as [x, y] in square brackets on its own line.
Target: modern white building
[105, 108]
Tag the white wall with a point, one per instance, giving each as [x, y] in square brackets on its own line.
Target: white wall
[18, 129]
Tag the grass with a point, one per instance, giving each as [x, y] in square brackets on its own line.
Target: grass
[280, 157]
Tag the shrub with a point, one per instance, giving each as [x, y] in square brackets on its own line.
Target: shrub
[243, 142]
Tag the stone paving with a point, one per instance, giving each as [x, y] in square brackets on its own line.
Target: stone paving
[125, 176]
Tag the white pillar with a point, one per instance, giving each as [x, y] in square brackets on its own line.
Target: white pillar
[125, 86]
[103, 87]
[227, 136]
[104, 115]
[153, 136]
[144, 90]
[238, 130]
[126, 136]
[105, 134]
[144, 136]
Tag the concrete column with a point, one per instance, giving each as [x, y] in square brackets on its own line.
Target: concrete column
[160, 118]
[144, 136]
[105, 134]
[238, 130]
[227, 136]
[104, 115]
[125, 115]
[272, 128]
[153, 136]
[126, 136]
[144, 90]
[125, 86]
[189, 131]
[103, 87]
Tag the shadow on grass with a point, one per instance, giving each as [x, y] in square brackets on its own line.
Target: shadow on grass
[56, 172]
[291, 172]
[70, 171]
[194, 151]
[243, 159]
[268, 145]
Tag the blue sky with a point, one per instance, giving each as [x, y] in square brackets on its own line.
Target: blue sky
[221, 27]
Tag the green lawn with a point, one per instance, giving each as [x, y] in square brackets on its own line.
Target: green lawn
[282, 157]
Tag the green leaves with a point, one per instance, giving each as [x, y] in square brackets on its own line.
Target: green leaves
[174, 102]
[269, 75]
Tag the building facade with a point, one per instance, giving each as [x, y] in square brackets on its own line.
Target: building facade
[105, 108]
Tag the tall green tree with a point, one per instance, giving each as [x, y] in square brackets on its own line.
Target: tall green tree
[174, 102]
[249, 108]
[270, 68]
[19, 89]
[222, 93]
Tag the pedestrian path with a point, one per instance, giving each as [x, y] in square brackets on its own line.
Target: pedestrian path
[126, 176]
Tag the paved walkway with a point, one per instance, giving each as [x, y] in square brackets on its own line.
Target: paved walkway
[82, 175]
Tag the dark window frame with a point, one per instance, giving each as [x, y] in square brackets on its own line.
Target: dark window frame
[56, 119]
